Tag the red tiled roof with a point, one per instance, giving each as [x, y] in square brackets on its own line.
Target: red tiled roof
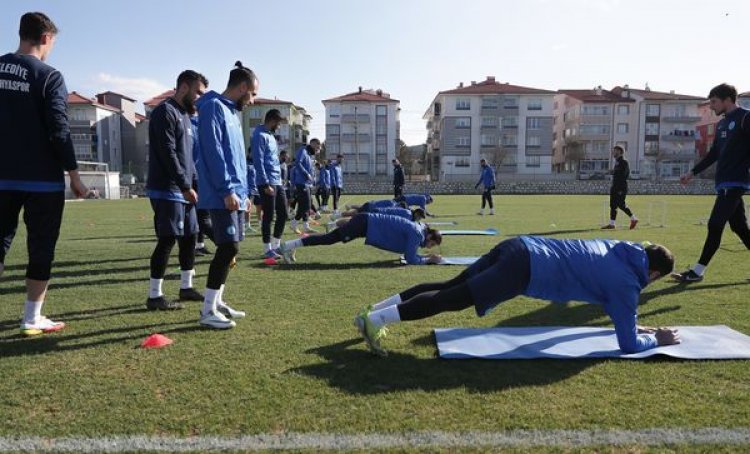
[604, 96]
[491, 87]
[658, 95]
[75, 98]
[363, 95]
[117, 94]
[156, 100]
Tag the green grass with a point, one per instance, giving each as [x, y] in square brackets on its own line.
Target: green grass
[297, 364]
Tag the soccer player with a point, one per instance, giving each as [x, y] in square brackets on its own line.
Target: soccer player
[171, 178]
[605, 272]
[337, 181]
[398, 179]
[390, 233]
[205, 229]
[619, 189]
[324, 186]
[223, 190]
[268, 179]
[302, 179]
[37, 150]
[487, 180]
[731, 152]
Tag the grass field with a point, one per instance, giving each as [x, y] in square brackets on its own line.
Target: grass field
[297, 365]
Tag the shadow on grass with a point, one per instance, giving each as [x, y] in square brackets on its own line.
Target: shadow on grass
[62, 285]
[70, 263]
[18, 345]
[563, 232]
[113, 238]
[317, 266]
[356, 371]
[84, 315]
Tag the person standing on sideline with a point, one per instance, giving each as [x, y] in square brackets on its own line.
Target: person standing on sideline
[487, 180]
[268, 179]
[619, 189]
[302, 179]
[398, 179]
[171, 178]
[223, 190]
[731, 152]
[324, 186]
[337, 181]
[36, 152]
[608, 273]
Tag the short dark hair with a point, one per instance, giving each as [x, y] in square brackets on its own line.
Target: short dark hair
[241, 74]
[34, 25]
[619, 147]
[433, 234]
[189, 76]
[273, 114]
[418, 212]
[660, 259]
[723, 91]
[314, 140]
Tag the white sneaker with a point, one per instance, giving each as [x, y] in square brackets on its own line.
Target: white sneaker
[480, 212]
[492, 211]
[287, 254]
[40, 326]
[228, 312]
[216, 320]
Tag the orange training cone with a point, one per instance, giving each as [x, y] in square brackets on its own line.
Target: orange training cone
[156, 341]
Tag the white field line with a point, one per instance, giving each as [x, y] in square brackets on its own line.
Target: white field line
[437, 439]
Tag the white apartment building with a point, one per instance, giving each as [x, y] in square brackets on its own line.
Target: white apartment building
[95, 131]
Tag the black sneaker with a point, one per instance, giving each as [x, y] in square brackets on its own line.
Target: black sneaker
[162, 304]
[687, 276]
[200, 252]
[190, 294]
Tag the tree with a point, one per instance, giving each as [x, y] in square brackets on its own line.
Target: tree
[495, 156]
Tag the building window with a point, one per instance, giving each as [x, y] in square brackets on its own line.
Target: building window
[333, 130]
[595, 110]
[652, 110]
[489, 122]
[463, 104]
[623, 109]
[488, 140]
[533, 142]
[510, 103]
[463, 123]
[652, 129]
[622, 128]
[533, 161]
[535, 104]
[334, 111]
[255, 112]
[510, 140]
[463, 142]
[463, 162]
[533, 123]
[510, 122]
[651, 146]
[489, 102]
[595, 129]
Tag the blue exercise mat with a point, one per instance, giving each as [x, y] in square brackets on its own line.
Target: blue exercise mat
[451, 261]
[561, 342]
[470, 232]
[442, 223]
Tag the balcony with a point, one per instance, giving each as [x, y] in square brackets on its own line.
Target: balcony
[683, 118]
[358, 118]
[679, 136]
[81, 123]
[360, 138]
[488, 126]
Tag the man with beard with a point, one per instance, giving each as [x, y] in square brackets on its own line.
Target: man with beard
[268, 179]
[302, 180]
[171, 178]
[223, 185]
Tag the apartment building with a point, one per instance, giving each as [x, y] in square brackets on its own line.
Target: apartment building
[510, 126]
[364, 127]
[290, 136]
[95, 131]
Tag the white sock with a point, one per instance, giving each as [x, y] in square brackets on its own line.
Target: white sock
[384, 316]
[276, 242]
[390, 301]
[611, 222]
[699, 269]
[293, 244]
[32, 310]
[267, 246]
[633, 218]
[220, 297]
[210, 301]
[154, 290]
[200, 245]
[186, 279]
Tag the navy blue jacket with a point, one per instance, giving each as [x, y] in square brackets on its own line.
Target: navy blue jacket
[34, 126]
[305, 168]
[605, 272]
[620, 174]
[171, 166]
[396, 234]
[731, 148]
[252, 188]
[398, 175]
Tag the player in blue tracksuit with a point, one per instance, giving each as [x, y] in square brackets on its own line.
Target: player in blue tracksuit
[268, 178]
[36, 152]
[420, 200]
[416, 215]
[487, 180]
[170, 188]
[323, 186]
[303, 179]
[731, 153]
[390, 233]
[337, 181]
[605, 272]
[222, 170]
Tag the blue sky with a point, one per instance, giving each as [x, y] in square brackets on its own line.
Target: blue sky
[306, 51]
